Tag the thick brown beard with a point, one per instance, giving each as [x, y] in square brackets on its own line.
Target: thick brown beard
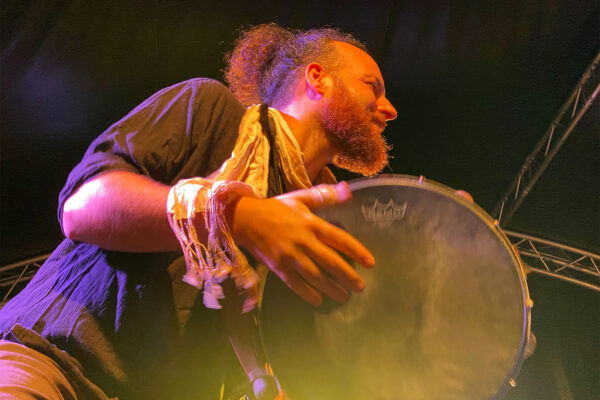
[361, 146]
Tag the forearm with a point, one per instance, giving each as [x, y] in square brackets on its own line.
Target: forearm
[125, 211]
[120, 211]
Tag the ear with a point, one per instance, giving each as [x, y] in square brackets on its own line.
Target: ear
[317, 80]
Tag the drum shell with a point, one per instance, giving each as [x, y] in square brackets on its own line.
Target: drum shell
[444, 313]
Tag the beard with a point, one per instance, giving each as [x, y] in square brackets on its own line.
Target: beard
[355, 132]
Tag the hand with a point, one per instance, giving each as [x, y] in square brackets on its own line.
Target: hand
[465, 195]
[299, 247]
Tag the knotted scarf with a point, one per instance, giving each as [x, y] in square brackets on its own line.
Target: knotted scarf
[245, 173]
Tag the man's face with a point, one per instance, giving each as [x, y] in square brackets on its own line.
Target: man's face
[355, 131]
[356, 113]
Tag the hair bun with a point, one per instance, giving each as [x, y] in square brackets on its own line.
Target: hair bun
[250, 61]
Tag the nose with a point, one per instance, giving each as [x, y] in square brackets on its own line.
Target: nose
[386, 108]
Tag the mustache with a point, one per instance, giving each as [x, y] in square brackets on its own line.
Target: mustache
[380, 122]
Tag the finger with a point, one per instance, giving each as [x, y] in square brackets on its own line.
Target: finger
[299, 286]
[313, 275]
[341, 240]
[320, 195]
[465, 195]
[336, 266]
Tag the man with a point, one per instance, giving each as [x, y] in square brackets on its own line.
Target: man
[108, 314]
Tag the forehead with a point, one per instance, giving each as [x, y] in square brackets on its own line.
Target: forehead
[356, 61]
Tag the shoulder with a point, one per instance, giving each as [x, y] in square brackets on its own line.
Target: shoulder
[202, 87]
[197, 95]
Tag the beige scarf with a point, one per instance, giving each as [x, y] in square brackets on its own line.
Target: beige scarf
[245, 173]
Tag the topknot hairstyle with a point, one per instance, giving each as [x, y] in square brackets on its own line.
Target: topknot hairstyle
[267, 60]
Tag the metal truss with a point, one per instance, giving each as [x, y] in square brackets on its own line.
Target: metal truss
[562, 125]
[557, 260]
[13, 274]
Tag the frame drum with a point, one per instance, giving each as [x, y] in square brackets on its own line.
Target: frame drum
[444, 314]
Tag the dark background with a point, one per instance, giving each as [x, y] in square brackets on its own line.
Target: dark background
[475, 83]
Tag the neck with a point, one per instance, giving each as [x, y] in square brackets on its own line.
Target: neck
[316, 149]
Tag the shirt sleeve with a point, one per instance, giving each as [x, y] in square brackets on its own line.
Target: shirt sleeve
[167, 137]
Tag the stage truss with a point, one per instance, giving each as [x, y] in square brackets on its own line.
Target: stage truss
[541, 255]
[14, 275]
[557, 260]
[579, 101]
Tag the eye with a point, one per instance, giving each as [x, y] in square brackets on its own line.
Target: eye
[374, 86]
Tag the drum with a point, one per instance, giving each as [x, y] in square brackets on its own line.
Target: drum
[444, 315]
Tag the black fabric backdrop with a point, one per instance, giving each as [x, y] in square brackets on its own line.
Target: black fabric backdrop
[476, 83]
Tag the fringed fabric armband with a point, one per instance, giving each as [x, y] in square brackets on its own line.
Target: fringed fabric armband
[208, 265]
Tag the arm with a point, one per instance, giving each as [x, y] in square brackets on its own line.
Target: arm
[125, 211]
[120, 211]
[169, 136]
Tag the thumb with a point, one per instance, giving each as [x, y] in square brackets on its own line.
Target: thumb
[320, 195]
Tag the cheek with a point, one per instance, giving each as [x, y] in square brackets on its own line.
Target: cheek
[368, 101]
[369, 104]
[364, 98]
[372, 106]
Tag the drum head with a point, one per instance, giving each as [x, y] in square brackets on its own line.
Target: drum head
[443, 316]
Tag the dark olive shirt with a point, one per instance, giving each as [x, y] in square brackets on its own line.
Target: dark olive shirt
[126, 321]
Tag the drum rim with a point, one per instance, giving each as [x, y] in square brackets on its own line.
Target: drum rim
[421, 182]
